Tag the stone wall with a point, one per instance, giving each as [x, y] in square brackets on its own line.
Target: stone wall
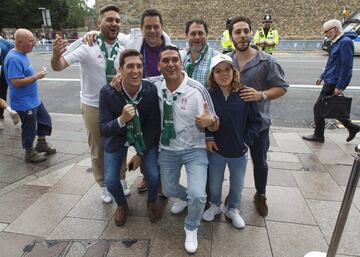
[292, 18]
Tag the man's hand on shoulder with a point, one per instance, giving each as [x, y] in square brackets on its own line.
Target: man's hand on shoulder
[90, 37]
[116, 82]
[249, 94]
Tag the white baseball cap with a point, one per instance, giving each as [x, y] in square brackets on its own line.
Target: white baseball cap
[220, 58]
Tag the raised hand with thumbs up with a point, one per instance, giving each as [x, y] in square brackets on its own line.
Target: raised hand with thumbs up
[207, 120]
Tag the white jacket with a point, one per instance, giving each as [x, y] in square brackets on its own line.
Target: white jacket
[135, 39]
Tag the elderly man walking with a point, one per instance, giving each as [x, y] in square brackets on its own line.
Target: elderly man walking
[336, 76]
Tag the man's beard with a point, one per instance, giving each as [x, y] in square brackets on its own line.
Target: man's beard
[242, 49]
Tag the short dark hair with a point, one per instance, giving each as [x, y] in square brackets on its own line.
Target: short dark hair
[129, 52]
[197, 21]
[236, 20]
[169, 47]
[151, 12]
[108, 7]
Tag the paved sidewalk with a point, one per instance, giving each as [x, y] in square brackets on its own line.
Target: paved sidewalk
[53, 208]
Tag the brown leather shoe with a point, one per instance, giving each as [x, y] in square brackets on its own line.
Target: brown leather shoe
[154, 212]
[120, 215]
[261, 206]
[143, 185]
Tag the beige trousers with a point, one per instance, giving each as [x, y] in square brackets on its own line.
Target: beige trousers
[90, 116]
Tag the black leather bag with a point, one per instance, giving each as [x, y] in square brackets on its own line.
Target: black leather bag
[336, 107]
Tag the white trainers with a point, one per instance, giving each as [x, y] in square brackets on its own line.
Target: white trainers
[210, 213]
[178, 207]
[15, 117]
[1, 124]
[105, 195]
[234, 215]
[191, 242]
[125, 187]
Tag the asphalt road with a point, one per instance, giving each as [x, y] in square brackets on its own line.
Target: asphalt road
[60, 90]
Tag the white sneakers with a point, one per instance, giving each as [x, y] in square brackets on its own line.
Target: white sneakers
[178, 207]
[125, 187]
[234, 215]
[209, 214]
[105, 195]
[1, 124]
[191, 242]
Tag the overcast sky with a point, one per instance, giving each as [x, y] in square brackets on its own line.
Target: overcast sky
[90, 3]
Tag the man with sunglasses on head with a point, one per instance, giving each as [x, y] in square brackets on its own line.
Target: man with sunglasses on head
[266, 38]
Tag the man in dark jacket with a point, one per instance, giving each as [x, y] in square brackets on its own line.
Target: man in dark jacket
[336, 76]
[130, 116]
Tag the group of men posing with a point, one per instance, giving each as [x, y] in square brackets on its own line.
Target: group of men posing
[164, 116]
[157, 102]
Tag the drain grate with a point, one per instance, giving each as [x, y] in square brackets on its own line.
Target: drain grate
[87, 248]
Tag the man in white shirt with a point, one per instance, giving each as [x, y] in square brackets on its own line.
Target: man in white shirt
[186, 109]
[98, 65]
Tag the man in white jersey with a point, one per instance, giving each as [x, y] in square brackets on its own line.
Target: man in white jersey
[98, 64]
[186, 109]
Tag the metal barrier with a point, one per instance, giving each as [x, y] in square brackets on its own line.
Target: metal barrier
[284, 45]
[344, 210]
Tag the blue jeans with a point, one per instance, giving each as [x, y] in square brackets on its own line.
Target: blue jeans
[112, 164]
[36, 121]
[195, 161]
[258, 153]
[237, 169]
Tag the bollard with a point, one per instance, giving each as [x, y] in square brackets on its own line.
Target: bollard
[344, 210]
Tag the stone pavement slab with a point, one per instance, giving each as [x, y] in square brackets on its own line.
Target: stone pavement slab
[286, 237]
[288, 205]
[326, 212]
[14, 203]
[91, 207]
[41, 218]
[318, 185]
[251, 241]
[55, 206]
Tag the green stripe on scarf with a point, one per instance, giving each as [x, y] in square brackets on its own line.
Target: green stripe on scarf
[168, 131]
[110, 68]
[134, 132]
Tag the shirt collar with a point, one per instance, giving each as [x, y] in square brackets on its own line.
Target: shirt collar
[136, 95]
[181, 87]
[337, 38]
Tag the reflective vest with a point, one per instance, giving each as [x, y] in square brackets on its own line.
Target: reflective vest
[226, 42]
[272, 36]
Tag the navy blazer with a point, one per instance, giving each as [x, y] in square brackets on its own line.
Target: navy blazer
[111, 105]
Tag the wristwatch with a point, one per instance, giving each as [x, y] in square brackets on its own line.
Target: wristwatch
[264, 95]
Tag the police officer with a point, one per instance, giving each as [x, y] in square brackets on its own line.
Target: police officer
[266, 38]
[226, 42]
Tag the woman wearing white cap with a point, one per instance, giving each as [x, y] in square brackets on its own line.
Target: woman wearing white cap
[239, 125]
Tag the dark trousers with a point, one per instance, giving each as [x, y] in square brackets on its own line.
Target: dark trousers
[3, 91]
[36, 121]
[258, 153]
[327, 90]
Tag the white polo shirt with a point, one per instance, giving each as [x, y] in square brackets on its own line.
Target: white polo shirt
[188, 104]
[92, 69]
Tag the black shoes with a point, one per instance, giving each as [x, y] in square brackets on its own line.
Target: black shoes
[314, 138]
[353, 129]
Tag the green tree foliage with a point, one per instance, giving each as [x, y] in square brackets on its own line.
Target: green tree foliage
[26, 13]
